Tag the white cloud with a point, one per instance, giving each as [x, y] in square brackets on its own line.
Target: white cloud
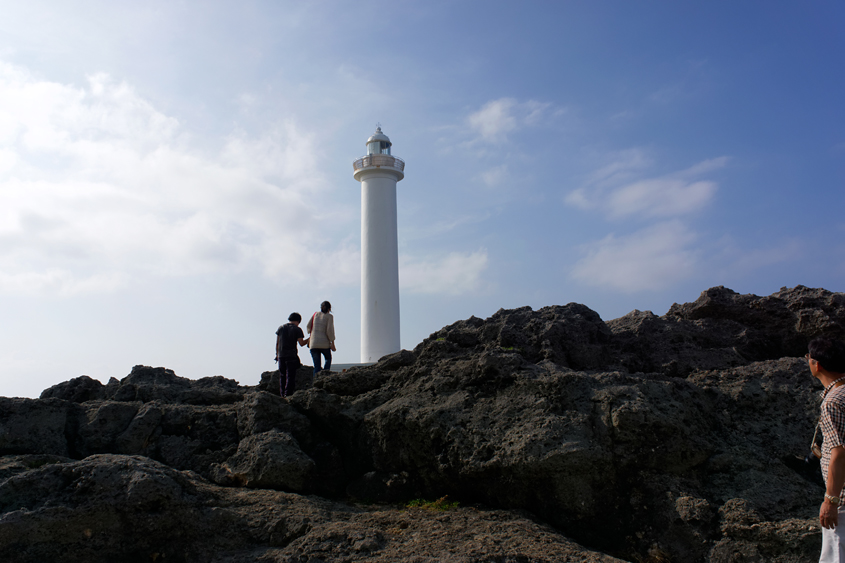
[579, 198]
[659, 197]
[59, 282]
[649, 259]
[535, 111]
[494, 119]
[444, 225]
[497, 118]
[623, 166]
[455, 274]
[667, 94]
[613, 191]
[495, 176]
[97, 187]
[735, 259]
[705, 166]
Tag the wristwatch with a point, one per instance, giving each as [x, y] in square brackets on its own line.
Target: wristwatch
[832, 499]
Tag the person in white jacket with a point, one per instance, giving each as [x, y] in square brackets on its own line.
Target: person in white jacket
[321, 336]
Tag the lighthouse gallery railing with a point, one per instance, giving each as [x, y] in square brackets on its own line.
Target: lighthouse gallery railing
[379, 160]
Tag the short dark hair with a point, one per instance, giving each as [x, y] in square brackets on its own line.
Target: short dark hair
[325, 307]
[295, 318]
[828, 352]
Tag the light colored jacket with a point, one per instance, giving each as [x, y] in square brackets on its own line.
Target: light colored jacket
[321, 330]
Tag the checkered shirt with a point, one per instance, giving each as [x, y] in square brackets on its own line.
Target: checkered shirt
[832, 423]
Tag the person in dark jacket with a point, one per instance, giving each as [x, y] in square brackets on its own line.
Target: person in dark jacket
[287, 338]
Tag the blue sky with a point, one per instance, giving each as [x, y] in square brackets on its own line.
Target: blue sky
[175, 177]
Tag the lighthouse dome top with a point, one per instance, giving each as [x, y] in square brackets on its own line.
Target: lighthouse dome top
[378, 143]
[378, 136]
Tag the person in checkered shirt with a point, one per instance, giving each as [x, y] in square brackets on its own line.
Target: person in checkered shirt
[826, 359]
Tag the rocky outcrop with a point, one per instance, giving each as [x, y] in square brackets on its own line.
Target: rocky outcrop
[270, 460]
[131, 508]
[563, 437]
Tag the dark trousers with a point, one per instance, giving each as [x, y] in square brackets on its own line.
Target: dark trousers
[287, 376]
[315, 355]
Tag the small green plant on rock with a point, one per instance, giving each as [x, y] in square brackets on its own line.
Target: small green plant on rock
[440, 504]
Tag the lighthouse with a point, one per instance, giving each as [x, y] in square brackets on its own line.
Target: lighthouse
[378, 173]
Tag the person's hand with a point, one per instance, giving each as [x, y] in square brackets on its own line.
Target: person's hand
[828, 515]
[333, 347]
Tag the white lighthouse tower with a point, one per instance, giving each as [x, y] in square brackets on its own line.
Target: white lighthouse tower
[378, 173]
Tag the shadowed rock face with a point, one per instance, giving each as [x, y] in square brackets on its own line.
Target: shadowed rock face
[564, 438]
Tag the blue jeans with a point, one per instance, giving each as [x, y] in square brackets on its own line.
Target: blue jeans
[315, 355]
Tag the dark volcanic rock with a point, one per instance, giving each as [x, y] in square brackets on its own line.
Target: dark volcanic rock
[11, 465]
[81, 389]
[147, 384]
[270, 380]
[724, 329]
[262, 411]
[269, 460]
[30, 426]
[654, 439]
[119, 508]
